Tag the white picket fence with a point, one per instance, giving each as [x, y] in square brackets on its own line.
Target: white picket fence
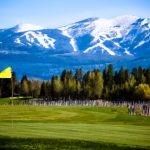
[101, 103]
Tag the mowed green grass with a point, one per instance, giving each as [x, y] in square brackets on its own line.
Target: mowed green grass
[73, 124]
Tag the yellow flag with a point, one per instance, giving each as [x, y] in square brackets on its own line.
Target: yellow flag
[6, 73]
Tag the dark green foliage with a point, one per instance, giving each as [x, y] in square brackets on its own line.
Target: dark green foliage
[34, 87]
[57, 87]
[142, 91]
[43, 90]
[93, 84]
[141, 77]
[24, 90]
[147, 75]
[79, 75]
[15, 84]
[44, 144]
[110, 85]
[5, 87]
[110, 76]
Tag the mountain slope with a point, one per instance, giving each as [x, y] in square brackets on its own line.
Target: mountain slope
[89, 43]
[116, 36]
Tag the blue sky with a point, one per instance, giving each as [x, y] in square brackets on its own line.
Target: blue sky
[56, 13]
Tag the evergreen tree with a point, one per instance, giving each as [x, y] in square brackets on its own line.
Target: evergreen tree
[110, 76]
[24, 86]
[78, 89]
[71, 87]
[87, 84]
[57, 87]
[127, 75]
[121, 76]
[141, 77]
[135, 73]
[147, 75]
[43, 90]
[48, 90]
[15, 84]
[63, 75]
[93, 84]
[6, 88]
[105, 77]
[34, 87]
[98, 84]
[78, 74]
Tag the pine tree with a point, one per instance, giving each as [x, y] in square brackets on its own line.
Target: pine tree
[71, 87]
[63, 75]
[141, 77]
[6, 88]
[43, 90]
[35, 88]
[135, 73]
[48, 91]
[98, 84]
[87, 85]
[147, 75]
[110, 76]
[121, 76]
[78, 89]
[57, 86]
[15, 84]
[78, 75]
[24, 86]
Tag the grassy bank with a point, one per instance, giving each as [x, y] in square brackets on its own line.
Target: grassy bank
[16, 100]
[77, 127]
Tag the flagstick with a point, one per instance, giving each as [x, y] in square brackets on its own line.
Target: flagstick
[12, 122]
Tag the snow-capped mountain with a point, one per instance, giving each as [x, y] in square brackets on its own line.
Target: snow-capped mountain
[87, 42]
[119, 36]
[26, 27]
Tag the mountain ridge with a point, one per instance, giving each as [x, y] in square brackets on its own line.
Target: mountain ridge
[87, 42]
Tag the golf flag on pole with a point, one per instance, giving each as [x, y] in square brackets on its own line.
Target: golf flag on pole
[6, 73]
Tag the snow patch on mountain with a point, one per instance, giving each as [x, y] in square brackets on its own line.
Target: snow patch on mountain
[72, 40]
[13, 52]
[18, 41]
[101, 46]
[27, 27]
[43, 39]
[140, 44]
[145, 21]
[128, 53]
[112, 27]
[117, 44]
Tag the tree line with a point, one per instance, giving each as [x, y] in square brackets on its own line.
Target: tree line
[109, 84]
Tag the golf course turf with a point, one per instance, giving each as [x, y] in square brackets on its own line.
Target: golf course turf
[72, 127]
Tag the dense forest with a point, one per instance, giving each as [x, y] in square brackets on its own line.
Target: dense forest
[109, 84]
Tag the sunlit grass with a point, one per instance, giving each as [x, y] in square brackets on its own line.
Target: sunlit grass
[92, 124]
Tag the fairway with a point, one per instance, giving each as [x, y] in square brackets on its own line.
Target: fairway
[87, 124]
